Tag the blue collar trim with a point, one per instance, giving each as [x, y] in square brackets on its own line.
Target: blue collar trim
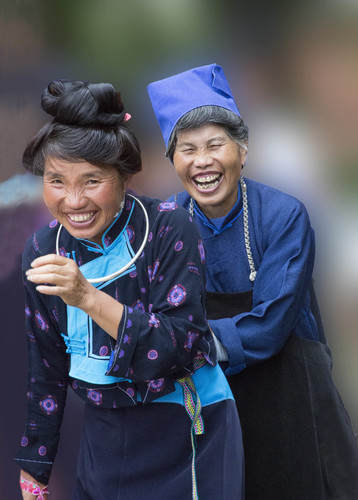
[230, 218]
[95, 247]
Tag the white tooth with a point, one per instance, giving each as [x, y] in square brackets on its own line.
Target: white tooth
[81, 218]
[209, 186]
[207, 178]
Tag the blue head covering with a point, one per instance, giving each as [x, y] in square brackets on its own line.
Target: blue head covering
[174, 96]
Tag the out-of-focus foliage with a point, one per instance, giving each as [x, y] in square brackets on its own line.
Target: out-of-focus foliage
[125, 37]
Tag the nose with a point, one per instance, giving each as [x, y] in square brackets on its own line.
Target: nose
[75, 199]
[203, 158]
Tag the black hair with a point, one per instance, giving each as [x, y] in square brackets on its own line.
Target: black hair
[198, 117]
[88, 125]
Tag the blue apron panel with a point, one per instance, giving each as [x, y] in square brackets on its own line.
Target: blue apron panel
[90, 346]
[210, 383]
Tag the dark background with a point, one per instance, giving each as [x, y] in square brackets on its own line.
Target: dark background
[293, 69]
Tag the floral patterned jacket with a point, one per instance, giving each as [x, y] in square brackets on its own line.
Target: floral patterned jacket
[162, 331]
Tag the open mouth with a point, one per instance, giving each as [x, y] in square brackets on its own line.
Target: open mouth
[207, 182]
[78, 219]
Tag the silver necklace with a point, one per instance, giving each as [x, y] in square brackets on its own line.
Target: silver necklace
[128, 265]
[253, 271]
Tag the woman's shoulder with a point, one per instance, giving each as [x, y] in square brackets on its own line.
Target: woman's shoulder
[272, 201]
[269, 192]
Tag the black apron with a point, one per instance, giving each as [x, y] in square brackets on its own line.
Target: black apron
[298, 439]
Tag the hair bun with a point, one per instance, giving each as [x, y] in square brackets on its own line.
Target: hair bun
[83, 104]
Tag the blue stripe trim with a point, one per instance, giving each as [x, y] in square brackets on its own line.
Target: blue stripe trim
[36, 461]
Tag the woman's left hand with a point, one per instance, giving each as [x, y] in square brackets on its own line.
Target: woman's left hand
[56, 275]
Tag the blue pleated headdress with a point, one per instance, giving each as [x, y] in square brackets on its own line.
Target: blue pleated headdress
[174, 96]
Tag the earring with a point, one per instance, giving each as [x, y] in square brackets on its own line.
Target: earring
[121, 206]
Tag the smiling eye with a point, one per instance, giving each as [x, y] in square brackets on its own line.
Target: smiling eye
[215, 147]
[92, 181]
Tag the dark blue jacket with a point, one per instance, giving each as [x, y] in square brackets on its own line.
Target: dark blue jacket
[161, 331]
[282, 244]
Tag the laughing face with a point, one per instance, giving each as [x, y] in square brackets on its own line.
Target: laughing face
[209, 165]
[83, 197]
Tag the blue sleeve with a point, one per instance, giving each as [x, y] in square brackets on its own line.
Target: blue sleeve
[281, 284]
[164, 339]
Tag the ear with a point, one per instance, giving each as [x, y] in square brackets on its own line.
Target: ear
[243, 154]
[126, 182]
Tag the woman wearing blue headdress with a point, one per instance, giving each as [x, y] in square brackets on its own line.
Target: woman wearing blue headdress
[261, 305]
[115, 292]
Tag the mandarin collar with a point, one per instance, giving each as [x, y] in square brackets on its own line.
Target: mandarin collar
[229, 219]
[114, 230]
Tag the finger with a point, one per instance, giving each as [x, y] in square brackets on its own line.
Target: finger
[50, 258]
[46, 269]
[48, 278]
[70, 268]
[50, 290]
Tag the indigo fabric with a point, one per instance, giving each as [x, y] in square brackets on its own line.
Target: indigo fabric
[135, 467]
[297, 435]
[282, 245]
[162, 333]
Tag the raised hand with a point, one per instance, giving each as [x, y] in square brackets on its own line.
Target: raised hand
[57, 275]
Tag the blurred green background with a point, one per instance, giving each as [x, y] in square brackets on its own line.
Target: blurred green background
[293, 69]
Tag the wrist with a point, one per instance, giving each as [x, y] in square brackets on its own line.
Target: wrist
[39, 490]
[89, 302]
[104, 310]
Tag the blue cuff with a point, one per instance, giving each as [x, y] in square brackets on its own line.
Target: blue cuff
[122, 355]
[225, 330]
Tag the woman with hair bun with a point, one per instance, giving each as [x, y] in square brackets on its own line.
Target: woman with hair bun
[115, 294]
